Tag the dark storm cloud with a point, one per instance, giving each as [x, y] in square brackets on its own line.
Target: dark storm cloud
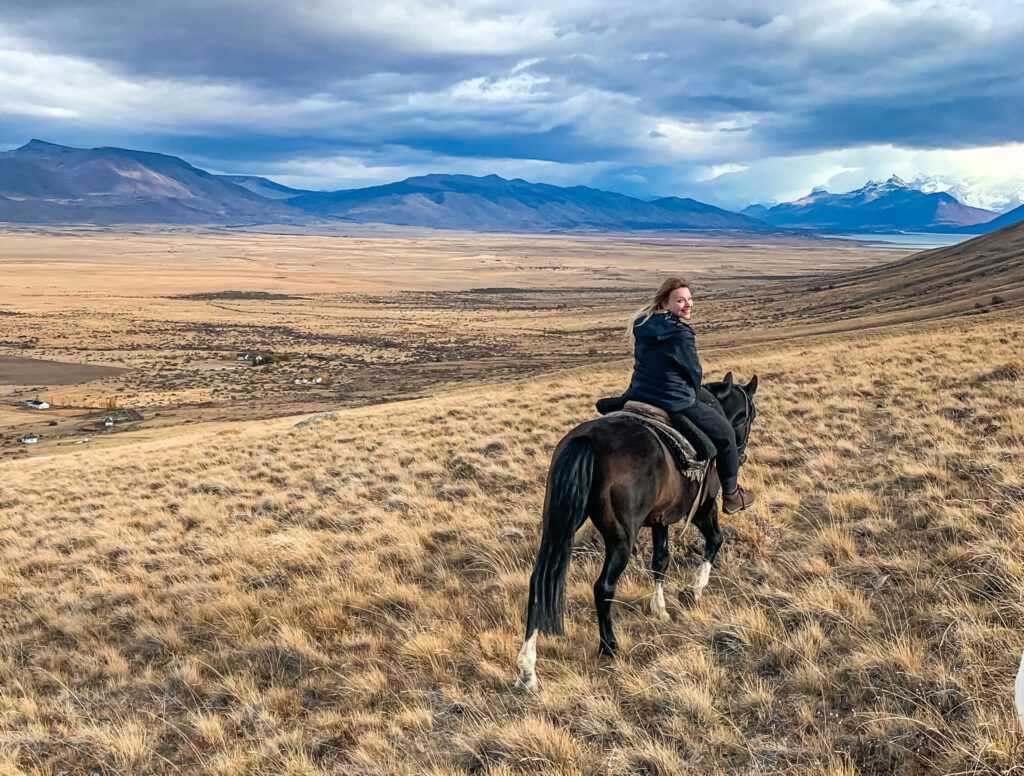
[274, 44]
[657, 91]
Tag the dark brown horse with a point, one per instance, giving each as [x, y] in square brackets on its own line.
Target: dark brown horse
[617, 472]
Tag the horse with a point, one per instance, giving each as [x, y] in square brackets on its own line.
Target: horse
[617, 472]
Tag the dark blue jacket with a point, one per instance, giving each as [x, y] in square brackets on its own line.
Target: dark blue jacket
[666, 372]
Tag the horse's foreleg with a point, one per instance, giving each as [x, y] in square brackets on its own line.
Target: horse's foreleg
[706, 520]
[617, 546]
[659, 563]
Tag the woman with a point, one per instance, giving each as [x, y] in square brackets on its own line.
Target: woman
[667, 374]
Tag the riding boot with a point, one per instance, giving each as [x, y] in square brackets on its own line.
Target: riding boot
[736, 501]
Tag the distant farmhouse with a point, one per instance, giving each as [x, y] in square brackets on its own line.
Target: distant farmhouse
[29, 439]
[243, 357]
[36, 404]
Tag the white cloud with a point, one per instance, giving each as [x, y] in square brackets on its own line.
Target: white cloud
[389, 165]
[87, 92]
[703, 174]
[516, 88]
[449, 28]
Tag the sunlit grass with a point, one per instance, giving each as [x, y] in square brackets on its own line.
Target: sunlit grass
[349, 597]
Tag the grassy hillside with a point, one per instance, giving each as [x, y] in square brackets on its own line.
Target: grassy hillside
[348, 596]
[980, 274]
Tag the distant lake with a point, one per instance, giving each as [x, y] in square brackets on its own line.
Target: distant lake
[919, 240]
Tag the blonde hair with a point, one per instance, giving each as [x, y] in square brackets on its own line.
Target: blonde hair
[660, 297]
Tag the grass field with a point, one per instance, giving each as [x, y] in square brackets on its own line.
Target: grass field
[347, 597]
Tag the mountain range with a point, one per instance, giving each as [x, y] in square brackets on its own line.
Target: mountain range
[45, 183]
[879, 206]
[492, 203]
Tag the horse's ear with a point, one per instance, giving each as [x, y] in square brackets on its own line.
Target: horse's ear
[720, 390]
[728, 379]
[751, 386]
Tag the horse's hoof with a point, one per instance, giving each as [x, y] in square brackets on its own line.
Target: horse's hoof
[608, 650]
[697, 593]
[663, 615]
[527, 682]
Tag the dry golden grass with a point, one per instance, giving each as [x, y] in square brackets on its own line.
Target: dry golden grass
[348, 596]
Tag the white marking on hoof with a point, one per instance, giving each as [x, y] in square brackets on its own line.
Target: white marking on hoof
[1019, 692]
[658, 603]
[527, 662]
[526, 683]
[700, 580]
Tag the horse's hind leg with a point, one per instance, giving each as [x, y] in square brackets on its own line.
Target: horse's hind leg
[706, 520]
[659, 563]
[618, 543]
[526, 662]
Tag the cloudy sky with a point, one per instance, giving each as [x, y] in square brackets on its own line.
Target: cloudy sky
[731, 102]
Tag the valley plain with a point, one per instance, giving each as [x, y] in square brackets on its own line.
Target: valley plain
[218, 590]
[155, 322]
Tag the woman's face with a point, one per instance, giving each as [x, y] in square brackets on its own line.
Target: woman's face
[680, 303]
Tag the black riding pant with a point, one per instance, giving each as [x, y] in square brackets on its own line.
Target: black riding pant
[721, 433]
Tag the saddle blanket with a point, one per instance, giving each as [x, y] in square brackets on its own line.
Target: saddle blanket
[683, 453]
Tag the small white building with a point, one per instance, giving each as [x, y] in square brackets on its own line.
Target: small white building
[36, 404]
[243, 357]
[318, 380]
[108, 423]
[29, 439]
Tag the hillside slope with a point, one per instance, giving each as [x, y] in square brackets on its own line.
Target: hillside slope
[1015, 216]
[264, 186]
[973, 277]
[958, 277]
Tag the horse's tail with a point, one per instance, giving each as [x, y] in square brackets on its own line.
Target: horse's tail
[569, 490]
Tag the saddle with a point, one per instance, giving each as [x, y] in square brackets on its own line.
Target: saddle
[683, 452]
[703, 447]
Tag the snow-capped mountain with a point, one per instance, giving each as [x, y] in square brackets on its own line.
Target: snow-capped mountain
[874, 189]
[878, 206]
[999, 196]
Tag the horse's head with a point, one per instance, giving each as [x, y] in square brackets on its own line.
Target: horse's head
[738, 402]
